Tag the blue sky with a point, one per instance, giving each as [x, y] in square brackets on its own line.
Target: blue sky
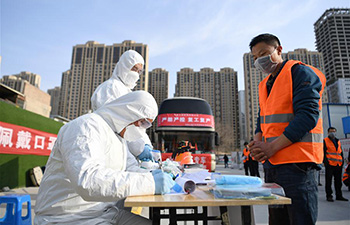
[38, 35]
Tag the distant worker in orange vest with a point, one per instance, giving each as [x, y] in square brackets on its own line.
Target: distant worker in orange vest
[333, 162]
[249, 162]
[289, 134]
[253, 166]
[246, 157]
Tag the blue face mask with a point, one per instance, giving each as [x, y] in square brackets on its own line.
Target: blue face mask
[265, 64]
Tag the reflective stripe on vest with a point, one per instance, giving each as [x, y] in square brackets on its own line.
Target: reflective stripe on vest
[333, 155]
[309, 137]
[277, 118]
[276, 112]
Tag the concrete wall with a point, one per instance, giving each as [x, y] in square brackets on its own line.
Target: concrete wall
[37, 101]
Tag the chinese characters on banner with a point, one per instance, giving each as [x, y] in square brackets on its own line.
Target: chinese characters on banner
[185, 120]
[25, 141]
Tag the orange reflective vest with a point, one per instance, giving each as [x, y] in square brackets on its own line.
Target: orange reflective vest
[276, 112]
[333, 155]
[246, 153]
[346, 174]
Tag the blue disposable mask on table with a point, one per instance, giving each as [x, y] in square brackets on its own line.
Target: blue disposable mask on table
[237, 180]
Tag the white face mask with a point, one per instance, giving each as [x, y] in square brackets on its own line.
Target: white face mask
[265, 64]
[131, 79]
[133, 133]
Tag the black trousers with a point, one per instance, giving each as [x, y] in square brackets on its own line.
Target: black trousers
[246, 168]
[299, 184]
[254, 168]
[336, 172]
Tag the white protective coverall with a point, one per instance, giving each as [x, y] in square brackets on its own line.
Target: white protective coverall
[89, 169]
[118, 85]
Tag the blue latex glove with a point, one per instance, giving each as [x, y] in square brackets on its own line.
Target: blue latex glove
[146, 155]
[163, 182]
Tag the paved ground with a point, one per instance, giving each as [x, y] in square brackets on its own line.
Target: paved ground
[330, 213]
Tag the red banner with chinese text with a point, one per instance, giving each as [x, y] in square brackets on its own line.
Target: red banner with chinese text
[20, 140]
[185, 120]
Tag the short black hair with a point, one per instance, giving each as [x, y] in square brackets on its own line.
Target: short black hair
[245, 143]
[332, 128]
[269, 39]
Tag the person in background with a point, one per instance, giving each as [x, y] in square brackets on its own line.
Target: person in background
[124, 78]
[333, 161]
[346, 176]
[254, 167]
[246, 157]
[89, 172]
[226, 161]
[288, 138]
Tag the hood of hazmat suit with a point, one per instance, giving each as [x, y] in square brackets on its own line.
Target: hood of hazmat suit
[88, 170]
[117, 86]
[120, 83]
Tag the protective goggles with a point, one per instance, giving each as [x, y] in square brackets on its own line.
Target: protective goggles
[144, 123]
[135, 69]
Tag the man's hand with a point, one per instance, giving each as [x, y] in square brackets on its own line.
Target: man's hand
[264, 150]
[261, 150]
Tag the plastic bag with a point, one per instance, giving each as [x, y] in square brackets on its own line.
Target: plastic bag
[240, 191]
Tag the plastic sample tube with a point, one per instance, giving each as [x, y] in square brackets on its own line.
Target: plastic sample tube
[184, 185]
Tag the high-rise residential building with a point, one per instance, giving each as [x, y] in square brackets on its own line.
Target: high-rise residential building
[313, 58]
[65, 85]
[220, 90]
[252, 78]
[16, 81]
[93, 63]
[332, 32]
[242, 130]
[339, 91]
[55, 99]
[158, 82]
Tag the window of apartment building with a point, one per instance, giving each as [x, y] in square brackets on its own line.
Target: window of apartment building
[99, 55]
[78, 55]
[116, 53]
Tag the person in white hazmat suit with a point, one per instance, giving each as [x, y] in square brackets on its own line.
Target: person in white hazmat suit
[124, 78]
[90, 172]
